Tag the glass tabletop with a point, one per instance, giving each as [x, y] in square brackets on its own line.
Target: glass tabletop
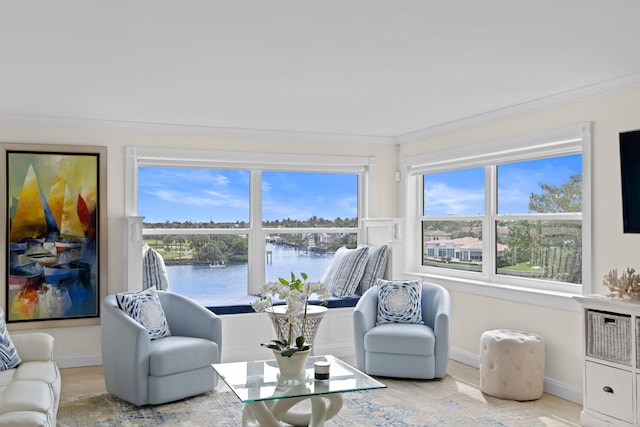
[260, 380]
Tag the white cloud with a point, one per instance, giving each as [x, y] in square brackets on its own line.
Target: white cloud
[348, 204]
[441, 199]
[220, 180]
[207, 198]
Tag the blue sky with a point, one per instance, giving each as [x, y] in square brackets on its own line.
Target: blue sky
[462, 192]
[201, 195]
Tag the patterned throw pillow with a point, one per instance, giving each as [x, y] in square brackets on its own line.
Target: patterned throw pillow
[399, 302]
[9, 357]
[145, 308]
[345, 271]
[375, 268]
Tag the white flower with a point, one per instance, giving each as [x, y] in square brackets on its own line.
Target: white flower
[295, 307]
[261, 304]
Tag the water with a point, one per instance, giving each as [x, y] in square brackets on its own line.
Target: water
[201, 282]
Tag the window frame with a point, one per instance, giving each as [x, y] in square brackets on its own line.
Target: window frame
[255, 163]
[558, 142]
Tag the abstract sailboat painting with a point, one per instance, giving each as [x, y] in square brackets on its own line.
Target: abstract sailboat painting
[53, 211]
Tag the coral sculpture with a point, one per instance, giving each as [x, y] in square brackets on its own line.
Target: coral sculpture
[626, 286]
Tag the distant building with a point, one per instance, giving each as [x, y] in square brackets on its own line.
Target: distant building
[466, 249]
[437, 235]
[502, 230]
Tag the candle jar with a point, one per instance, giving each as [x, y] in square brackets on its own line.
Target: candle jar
[321, 370]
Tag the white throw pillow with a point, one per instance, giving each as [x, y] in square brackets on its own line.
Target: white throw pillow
[345, 271]
[145, 308]
[399, 302]
[9, 357]
[375, 268]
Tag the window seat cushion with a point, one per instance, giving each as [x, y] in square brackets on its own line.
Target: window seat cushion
[238, 305]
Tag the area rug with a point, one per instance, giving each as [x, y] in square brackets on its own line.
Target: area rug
[406, 403]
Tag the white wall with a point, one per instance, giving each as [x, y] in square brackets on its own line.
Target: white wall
[561, 328]
[76, 346]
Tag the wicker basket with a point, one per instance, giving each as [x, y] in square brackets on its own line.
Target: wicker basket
[637, 342]
[609, 337]
[314, 316]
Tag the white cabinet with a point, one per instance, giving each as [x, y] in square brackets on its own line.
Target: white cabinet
[609, 391]
[611, 361]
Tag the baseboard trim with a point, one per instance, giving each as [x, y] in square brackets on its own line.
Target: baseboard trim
[462, 356]
[551, 386]
[564, 391]
[77, 361]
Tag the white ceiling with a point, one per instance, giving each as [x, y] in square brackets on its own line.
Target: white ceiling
[371, 69]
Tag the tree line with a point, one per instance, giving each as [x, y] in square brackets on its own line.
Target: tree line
[228, 248]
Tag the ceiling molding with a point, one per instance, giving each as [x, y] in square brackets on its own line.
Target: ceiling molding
[546, 103]
[196, 130]
[541, 104]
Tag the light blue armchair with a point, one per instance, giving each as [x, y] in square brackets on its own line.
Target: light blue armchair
[144, 371]
[399, 349]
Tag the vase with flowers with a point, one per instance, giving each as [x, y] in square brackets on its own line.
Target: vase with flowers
[290, 348]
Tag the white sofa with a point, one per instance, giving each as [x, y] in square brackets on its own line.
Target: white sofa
[30, 393]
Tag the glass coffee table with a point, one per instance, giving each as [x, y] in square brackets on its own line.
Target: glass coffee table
[270, 397]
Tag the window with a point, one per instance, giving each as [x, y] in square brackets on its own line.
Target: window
[451, 224]
[539, 219]
[507, 213]
[227, 222]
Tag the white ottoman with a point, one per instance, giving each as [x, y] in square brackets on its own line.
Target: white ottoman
[512, 364]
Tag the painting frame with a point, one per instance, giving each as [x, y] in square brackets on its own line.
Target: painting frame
[55, 223]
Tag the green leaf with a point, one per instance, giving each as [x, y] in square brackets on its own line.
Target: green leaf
[274, 345]
[287, 352]
[270, 345]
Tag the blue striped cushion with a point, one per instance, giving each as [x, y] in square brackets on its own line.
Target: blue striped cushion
[399, 302]
[375, 268]
[154, 272]
[9, 357]
[145, 308]
[345, 271]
